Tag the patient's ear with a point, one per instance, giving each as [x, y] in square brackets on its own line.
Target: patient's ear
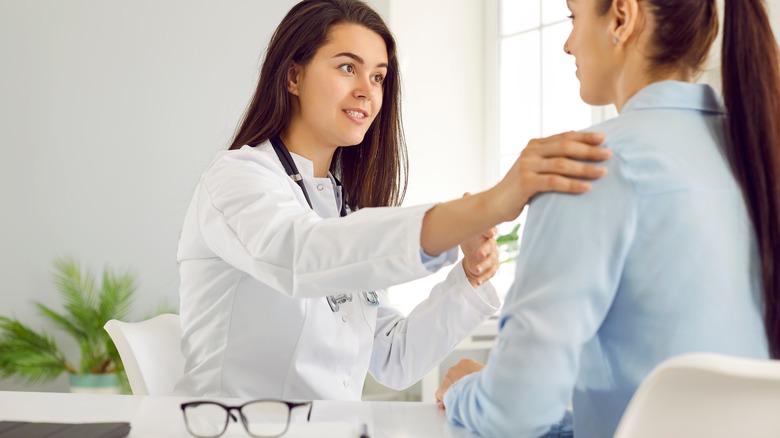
[625, 20]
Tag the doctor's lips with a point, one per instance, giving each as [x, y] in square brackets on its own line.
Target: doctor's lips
[356, 114]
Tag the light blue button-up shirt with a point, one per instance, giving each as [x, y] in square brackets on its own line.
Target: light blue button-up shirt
[658, 259]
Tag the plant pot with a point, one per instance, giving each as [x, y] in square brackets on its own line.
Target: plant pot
[94, 383]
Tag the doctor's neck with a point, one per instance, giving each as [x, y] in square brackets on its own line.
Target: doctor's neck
[312, 149]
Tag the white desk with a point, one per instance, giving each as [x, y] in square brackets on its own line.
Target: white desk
[152, 417]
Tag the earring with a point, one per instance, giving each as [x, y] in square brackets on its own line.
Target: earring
[614, 40]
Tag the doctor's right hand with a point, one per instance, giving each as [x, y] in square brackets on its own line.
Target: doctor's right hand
[552, 164]
[558, 163]
[480, 256]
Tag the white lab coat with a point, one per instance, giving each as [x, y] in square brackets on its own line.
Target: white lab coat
[256, 264]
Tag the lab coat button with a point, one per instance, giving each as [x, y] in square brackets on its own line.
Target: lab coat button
[344, 318]
[346, 383]
[320, 187]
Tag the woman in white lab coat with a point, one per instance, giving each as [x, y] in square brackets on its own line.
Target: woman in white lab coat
[281, 289]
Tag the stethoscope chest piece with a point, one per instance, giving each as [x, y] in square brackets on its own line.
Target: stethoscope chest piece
[372, 298]
[335, 301]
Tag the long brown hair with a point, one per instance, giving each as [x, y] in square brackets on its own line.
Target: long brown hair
[751, 91]
[373, 173]
[685, 30]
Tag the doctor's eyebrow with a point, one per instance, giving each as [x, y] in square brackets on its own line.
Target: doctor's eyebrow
[358, 59]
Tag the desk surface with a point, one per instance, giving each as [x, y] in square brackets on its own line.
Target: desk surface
[153, 416]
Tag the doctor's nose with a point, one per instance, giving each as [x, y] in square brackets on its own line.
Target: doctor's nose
[364, 89]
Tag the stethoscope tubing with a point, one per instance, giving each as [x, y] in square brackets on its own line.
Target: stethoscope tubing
[334, 301]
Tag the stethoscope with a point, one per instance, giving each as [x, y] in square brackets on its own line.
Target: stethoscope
[334, 301]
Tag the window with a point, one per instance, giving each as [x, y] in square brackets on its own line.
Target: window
[538, 92]
[535, 92]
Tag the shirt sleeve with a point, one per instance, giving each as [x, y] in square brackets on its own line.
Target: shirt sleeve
[405, 349]
[249, 216]
[434, 263]
[568, 270]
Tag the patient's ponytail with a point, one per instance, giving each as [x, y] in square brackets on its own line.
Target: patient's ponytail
[751, 91]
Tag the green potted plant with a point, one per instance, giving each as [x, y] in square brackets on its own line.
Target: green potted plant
[508, 245]
[34, 356]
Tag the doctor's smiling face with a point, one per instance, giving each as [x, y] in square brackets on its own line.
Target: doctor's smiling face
[329, 79]
[340, 91]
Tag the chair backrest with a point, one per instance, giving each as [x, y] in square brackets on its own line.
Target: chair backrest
[150, 352]
[706, 394]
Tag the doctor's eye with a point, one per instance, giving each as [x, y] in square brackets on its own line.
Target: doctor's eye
[570, 17]
[347, 68]
[378, 78]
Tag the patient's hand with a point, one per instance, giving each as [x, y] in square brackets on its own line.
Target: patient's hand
[462, 368]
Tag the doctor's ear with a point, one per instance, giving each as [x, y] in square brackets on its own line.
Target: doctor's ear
[625, 20]
[294, 74]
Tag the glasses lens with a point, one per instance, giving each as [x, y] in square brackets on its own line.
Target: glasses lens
[266, 418]
[206, 420]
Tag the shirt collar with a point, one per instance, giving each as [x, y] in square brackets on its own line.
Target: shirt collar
[306, 167]
[675, 95]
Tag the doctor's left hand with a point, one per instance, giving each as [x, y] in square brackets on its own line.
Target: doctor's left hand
[480, 256]
[457, 372]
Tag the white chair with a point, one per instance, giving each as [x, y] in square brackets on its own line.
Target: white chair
[706, 395]
[150, 352]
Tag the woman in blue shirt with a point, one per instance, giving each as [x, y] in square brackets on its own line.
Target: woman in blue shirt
[674, 251]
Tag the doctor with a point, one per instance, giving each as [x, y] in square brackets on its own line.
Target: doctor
[291, 236]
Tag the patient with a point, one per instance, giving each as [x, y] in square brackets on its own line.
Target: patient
[674, 251]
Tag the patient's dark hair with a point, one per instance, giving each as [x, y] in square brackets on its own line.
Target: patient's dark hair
[685, 30]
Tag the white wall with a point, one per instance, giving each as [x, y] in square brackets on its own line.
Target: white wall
[441, 62]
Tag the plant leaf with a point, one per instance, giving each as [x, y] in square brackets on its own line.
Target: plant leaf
[116, 296]
[33, 356]
[60, 320]
[508, 238]
[78, 291]
[27, 354]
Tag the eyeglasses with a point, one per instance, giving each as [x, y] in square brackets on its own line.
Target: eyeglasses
[261, 418]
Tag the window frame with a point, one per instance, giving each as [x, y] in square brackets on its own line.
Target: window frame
[492, 63]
